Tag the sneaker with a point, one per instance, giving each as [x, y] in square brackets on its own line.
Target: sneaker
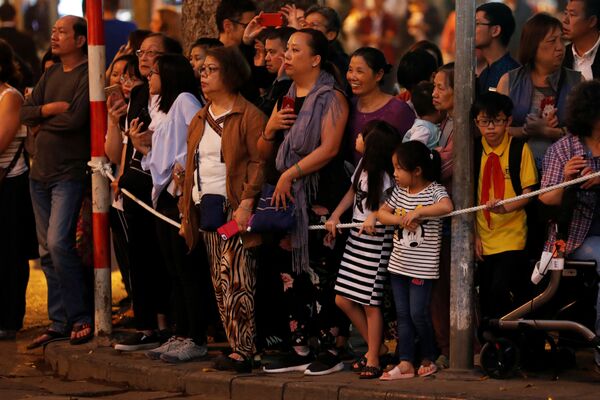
[169, 345]
[186, 351]
[138, 341]
[289, 362]
[326, 363]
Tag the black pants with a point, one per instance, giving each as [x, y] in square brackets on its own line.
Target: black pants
[503, 283]
[150, 286]
[189, 274]
[17, 245]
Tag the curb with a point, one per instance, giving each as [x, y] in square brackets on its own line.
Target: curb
[91, 362]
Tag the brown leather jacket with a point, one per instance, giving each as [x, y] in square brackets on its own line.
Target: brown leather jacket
[244, 168]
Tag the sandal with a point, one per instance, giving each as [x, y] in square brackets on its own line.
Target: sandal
[45, 338]
[81, 333]
[426, 370]
[396, 373]
[370, 372]
[358, 365]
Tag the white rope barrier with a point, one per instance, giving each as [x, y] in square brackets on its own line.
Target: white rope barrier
[106, 171]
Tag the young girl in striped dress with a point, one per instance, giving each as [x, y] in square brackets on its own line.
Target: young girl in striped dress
[363, 270]
[414, 262]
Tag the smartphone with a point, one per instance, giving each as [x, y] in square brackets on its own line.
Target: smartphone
[114, 89]
[144, 117]
[271, 19]
[228, 230]
[288, 102]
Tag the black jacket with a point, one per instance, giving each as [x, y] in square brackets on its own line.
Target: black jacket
[570, 60]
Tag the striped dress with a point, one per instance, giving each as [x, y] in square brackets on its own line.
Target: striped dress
[363, 270]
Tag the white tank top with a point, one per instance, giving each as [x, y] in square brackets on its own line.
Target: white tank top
[7, 156]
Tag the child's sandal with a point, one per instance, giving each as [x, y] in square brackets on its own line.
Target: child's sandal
[370, 372]
[359, 364]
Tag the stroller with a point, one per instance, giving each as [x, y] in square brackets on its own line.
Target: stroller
[527, 336]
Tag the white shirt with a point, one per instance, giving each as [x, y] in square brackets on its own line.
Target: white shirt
[360, 210]
[584, 63]
[211, 169]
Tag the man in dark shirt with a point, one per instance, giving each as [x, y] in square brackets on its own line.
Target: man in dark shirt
[275, 45]
[581, 25]
[494, 26]
[21, 43]
[59, 105]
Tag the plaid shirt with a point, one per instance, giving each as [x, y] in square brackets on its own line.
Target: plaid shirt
[554, 162]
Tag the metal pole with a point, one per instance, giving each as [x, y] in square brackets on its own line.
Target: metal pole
[100, 186]
[462, 294]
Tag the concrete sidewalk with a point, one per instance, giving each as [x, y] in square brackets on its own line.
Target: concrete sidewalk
[200, 381]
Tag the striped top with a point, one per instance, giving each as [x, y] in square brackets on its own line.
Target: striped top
[417, 254]
[7, 156]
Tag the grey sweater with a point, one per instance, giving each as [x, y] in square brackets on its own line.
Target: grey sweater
[62, 146]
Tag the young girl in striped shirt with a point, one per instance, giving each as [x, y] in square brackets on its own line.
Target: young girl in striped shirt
[414, 262]
[363, 270]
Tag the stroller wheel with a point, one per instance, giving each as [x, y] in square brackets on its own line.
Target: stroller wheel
[499, 358]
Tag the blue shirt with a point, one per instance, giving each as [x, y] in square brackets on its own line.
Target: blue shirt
[490, 76]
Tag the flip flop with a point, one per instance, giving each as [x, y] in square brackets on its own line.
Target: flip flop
[47, 337]
[77, 328]
[426, 370]
[396, 374]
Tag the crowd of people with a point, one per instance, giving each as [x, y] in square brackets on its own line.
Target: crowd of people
[251, 137]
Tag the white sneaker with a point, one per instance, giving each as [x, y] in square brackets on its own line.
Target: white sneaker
[169, 345]
[186, 351]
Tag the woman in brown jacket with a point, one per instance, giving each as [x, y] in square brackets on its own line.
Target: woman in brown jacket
[222, 159]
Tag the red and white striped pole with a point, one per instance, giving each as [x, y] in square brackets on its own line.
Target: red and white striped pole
[100, 186]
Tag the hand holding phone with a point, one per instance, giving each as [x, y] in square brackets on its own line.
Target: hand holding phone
[288, 103]
[113, 90]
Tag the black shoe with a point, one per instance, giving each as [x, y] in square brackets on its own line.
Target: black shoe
[139, 341]
[326, 363]
[288, 362]
[226, 363]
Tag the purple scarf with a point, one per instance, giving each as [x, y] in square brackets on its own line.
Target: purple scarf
[299, 141]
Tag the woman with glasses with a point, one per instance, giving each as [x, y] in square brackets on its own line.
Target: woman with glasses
[149, 290]
[172, 80]
[539, 88]
[223, 163]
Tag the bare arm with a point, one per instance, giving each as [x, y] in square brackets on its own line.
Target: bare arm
[10, 107]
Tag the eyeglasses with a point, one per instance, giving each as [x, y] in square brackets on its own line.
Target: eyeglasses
[129, 80]
[244, 25]
[208, 70]
[485, 122]
[478, 23]
[150, 53]
[152, 72]
[312, 25]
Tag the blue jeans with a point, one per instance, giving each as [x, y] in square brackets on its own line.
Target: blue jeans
[56, 207]
[590, 250]
[413, 297]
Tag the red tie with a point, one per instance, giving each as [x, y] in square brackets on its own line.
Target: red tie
[492, 171]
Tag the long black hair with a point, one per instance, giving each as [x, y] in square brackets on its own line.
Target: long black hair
[380, 141]
[176, 77]
[414, 154]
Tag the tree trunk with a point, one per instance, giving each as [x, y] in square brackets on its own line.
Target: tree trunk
[198, 20]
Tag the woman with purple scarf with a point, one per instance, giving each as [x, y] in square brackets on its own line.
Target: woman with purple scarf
[301, 142]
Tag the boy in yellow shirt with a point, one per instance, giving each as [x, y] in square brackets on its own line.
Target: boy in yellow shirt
[505, 168]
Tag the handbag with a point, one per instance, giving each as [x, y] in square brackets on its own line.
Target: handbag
[212, 209]
[269, 219]
[4, 171]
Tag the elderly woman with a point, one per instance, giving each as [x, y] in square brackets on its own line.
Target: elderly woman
[223, 161]
[539, 88]
[575, 155]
